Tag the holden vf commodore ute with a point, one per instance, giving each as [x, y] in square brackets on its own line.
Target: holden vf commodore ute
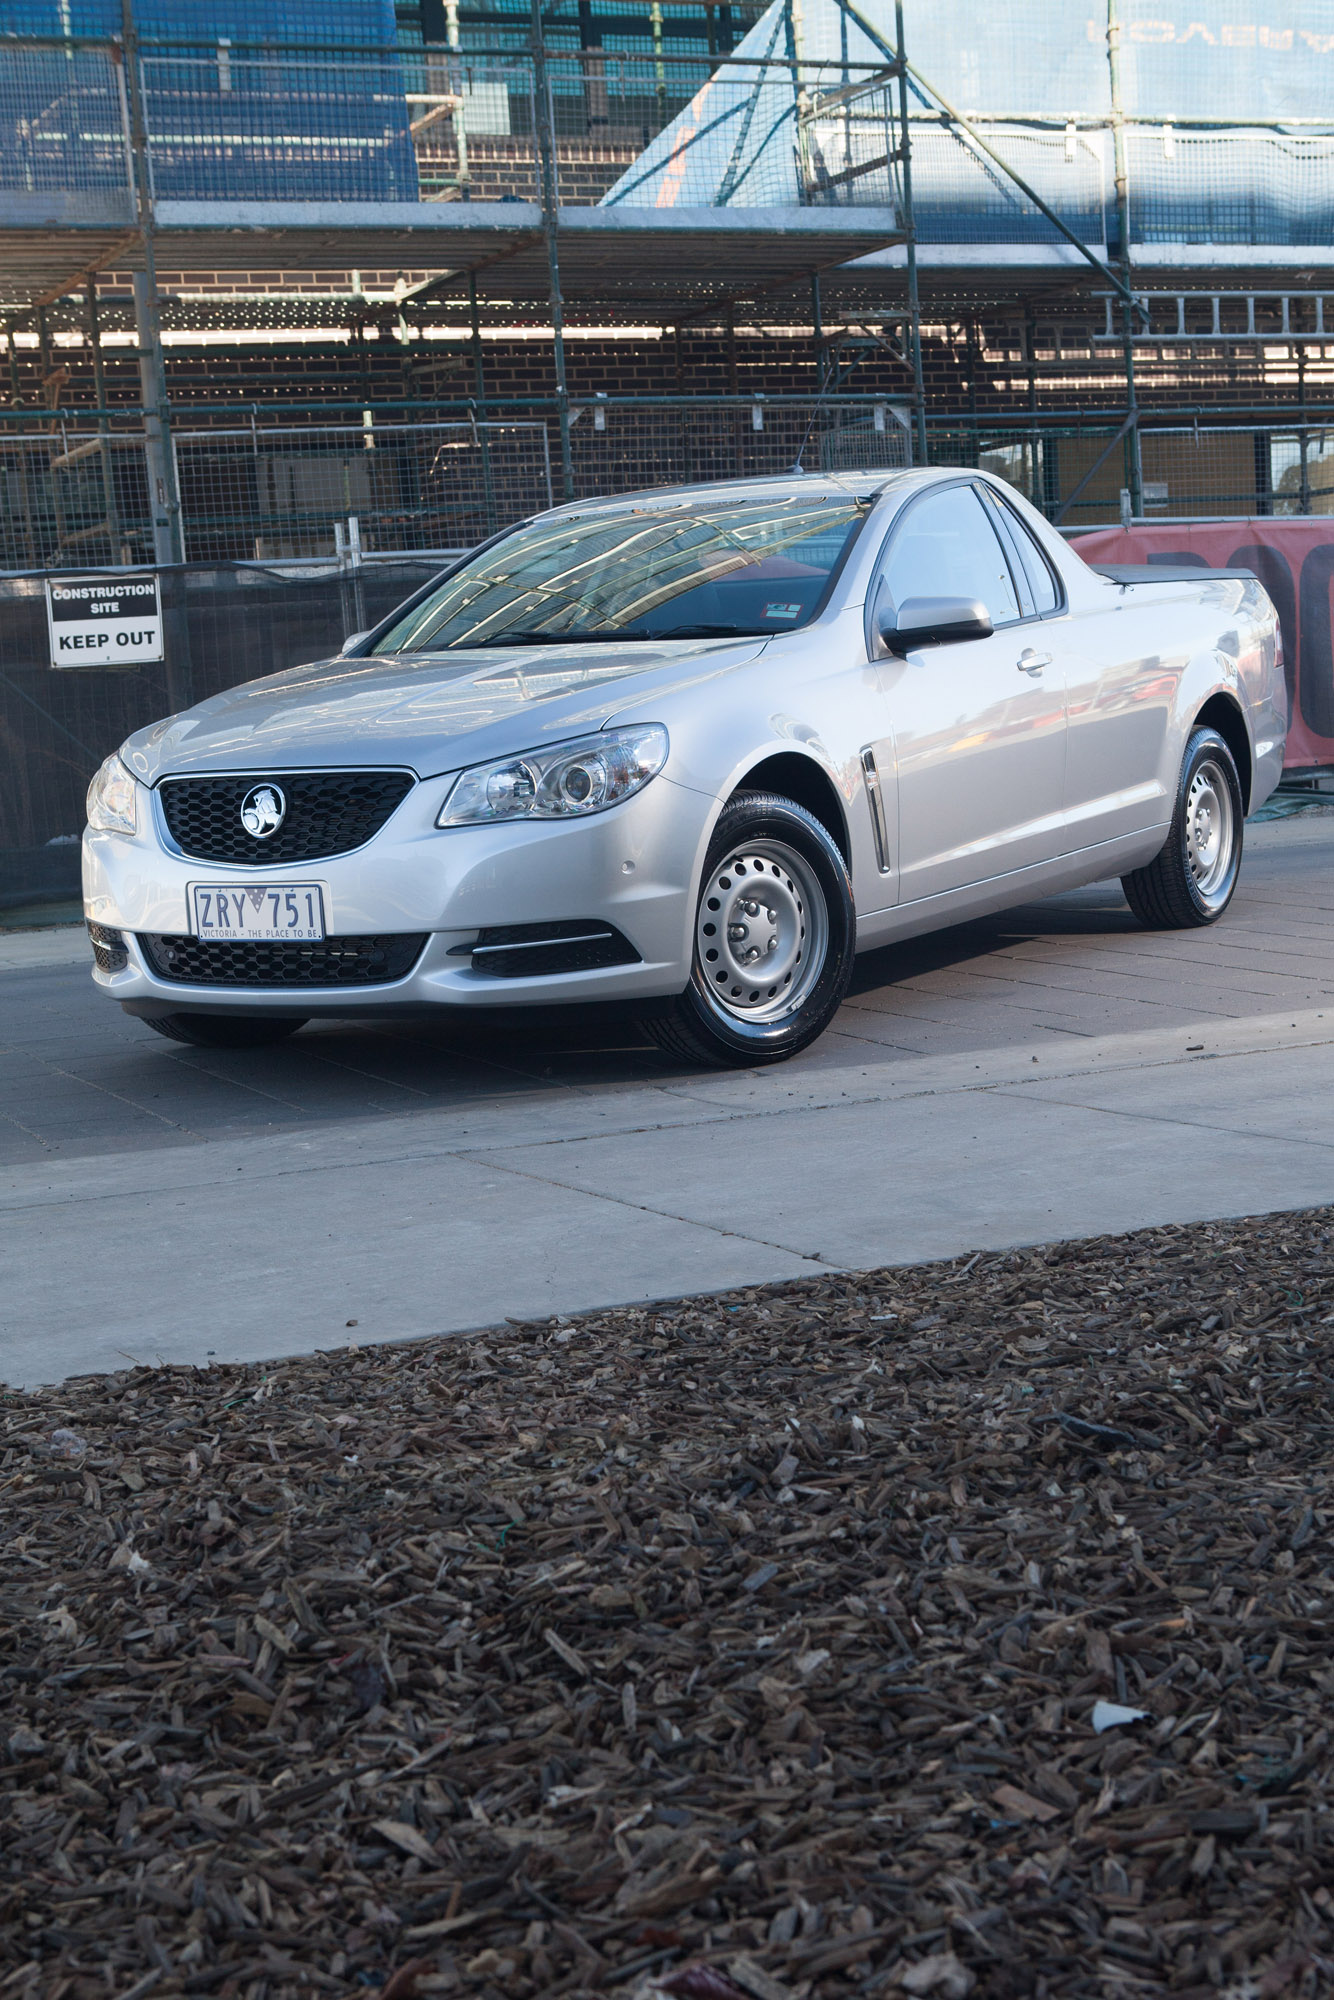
[688, 750]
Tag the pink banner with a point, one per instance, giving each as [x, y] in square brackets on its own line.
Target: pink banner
[1294, 560]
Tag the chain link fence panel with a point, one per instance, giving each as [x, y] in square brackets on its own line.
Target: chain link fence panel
[1079, 473]
[73, 496]
[269, 492]
[63, 122]
[290, 126]
[620, 446]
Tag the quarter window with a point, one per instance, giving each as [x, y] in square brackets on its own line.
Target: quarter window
[1037, 570]
[945, 546]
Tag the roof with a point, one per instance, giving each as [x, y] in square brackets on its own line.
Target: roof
[871, 483]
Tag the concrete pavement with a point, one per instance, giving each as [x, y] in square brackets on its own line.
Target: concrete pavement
[1052, 1072]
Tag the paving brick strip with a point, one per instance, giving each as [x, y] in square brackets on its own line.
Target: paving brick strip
[960, 1628]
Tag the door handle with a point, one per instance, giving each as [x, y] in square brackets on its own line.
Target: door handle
[1030, 662]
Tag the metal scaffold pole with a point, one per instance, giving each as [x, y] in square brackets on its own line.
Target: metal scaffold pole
[910, 244]
[1134, 473]
[163, 498]
[94, 331]
[544, 135]
[479, 386]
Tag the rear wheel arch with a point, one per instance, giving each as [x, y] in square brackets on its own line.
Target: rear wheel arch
[791, 775]
[1221, 712]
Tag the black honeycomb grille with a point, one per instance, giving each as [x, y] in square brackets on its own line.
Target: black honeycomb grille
[337, 961]
[109, 953]
[533, 951]
[328, 812]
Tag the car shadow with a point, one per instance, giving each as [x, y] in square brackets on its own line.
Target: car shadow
[1098, 911]
[611, 1046]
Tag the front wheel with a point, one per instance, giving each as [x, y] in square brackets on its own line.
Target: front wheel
[775, 935]
[226, 1031]
[1190, 882]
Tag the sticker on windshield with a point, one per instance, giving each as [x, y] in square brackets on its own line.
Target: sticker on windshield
[782, 611]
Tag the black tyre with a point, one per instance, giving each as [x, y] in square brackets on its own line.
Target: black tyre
[775, 934]
[1190, 882]
[226, 1031]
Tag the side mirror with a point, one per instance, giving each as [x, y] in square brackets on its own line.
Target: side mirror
[353, 639]
[934, 621]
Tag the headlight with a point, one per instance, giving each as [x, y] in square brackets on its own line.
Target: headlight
[112, 799]
[569, 781]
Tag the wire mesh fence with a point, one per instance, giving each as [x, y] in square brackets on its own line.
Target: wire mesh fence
[691, 118]
[266, 492]
[1243, 187]
[63, 125]
[471, 121]
[73, 495]
[1080, 473]
[287, 126]
[619, 446]
[269, 493]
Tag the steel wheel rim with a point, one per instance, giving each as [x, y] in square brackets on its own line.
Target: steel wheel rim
[762, 932]
[1210, 829]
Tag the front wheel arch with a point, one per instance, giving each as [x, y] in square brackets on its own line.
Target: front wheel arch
[789, 774]
[770, 834]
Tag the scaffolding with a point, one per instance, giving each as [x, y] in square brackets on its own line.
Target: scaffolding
[687, 165]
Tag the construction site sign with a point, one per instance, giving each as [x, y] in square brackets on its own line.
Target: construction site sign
[99, 621]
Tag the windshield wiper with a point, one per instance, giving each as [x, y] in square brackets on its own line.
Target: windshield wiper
[540, 639]
[700, 632]
[528, 638]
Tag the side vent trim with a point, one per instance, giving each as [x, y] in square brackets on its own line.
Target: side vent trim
[877, 803]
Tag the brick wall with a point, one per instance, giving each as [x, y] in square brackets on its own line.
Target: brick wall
[1005, 368]
[500, 168]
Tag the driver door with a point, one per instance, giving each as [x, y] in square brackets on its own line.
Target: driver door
[976, 729]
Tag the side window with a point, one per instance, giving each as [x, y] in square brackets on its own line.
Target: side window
[946, 547]
[1041, 580]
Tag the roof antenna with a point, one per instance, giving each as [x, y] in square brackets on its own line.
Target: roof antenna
[825, 372]
[797, 465]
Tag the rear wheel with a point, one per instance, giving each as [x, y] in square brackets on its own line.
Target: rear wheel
[1190, 882]
[226, 1031]
[775, 934]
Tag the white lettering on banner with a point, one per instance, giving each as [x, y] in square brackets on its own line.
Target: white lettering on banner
[93, 622]
[1228, 34]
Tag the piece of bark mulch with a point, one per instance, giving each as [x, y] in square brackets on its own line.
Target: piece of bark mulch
[749, 1645]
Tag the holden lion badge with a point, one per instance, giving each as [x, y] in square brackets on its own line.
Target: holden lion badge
[263, 811]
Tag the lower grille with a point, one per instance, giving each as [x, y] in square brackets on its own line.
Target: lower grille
[109, 953]
[530, 951]
[337, 961]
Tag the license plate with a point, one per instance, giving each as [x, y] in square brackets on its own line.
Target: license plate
[294, 912]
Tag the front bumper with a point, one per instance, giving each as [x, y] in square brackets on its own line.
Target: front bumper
[631, 867]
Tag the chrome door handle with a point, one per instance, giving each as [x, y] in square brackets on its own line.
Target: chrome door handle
[1030, 662]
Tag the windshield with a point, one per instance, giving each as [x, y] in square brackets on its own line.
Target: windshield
[748, 567]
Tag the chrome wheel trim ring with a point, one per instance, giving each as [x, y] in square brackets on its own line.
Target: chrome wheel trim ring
[761, 932]
[1210, 821]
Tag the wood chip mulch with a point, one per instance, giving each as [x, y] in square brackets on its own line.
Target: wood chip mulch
[773, 1645]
